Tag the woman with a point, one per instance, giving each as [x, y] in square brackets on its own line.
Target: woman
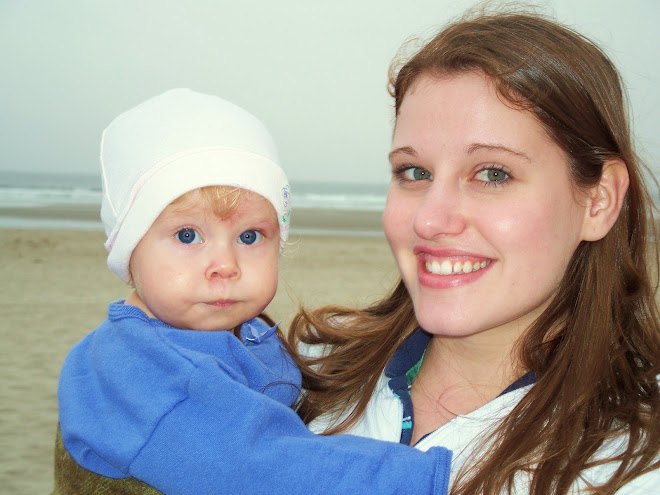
[519, 220]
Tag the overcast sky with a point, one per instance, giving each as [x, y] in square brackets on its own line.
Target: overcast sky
[314, 71]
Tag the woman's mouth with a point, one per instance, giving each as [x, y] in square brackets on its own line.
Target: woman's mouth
[456, 267]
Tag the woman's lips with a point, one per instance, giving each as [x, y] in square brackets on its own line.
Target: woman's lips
[445, 268]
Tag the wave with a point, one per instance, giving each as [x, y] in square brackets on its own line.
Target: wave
[26, 197]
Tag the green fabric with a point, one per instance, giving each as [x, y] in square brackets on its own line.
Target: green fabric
[412, 372]
[71, 479]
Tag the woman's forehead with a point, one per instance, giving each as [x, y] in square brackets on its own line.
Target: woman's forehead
[468, 109]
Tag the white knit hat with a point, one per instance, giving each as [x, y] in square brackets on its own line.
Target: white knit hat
[171, 144]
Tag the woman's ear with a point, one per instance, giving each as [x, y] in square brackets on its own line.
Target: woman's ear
[605, 200]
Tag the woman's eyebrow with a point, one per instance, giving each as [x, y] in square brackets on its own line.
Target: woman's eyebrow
[404, 150]
[473, 148]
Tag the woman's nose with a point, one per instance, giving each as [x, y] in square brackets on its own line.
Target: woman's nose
[223, 265]
[440, 212]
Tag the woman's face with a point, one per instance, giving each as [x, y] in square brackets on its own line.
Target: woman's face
[481, 213]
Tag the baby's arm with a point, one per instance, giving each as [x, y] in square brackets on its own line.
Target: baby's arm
[236, 440]
[192, 417]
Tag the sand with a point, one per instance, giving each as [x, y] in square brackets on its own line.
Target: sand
[56, 288]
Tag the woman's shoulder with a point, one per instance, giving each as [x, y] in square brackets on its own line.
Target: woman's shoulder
[597, 475]
[381, 419]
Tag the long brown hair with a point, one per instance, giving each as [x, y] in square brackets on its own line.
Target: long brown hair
[596, 349]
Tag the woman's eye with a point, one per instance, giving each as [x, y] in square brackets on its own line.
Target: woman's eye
[492, 175]
[250, 237]
[188, 236]
[415, 173]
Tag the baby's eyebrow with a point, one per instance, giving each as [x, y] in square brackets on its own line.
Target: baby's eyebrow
[266, 223]
[182, 217]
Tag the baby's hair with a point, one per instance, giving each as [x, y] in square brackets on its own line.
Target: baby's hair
[222, 199]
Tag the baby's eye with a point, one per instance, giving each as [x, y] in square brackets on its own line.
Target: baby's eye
[415, 173]
[492, 174]
[188, 236]
[250, 237]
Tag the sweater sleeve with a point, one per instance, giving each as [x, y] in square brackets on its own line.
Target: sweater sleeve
[201, 413]
[227, 438]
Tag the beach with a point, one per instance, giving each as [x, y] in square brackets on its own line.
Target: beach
[56, 288]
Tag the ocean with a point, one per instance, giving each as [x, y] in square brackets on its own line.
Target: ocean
[72, 201]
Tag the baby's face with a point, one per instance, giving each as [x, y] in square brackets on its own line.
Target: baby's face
[194, 270]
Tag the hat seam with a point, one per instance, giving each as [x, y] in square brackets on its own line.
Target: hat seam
[157, 167]
[104, 178]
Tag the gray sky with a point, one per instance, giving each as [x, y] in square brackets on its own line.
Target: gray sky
[314, 71]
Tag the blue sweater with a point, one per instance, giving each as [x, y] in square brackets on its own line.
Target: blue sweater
[192, 412]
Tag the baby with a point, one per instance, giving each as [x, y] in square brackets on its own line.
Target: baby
[186, 387]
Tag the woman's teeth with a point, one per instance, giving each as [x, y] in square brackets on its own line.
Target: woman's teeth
[446, 267]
